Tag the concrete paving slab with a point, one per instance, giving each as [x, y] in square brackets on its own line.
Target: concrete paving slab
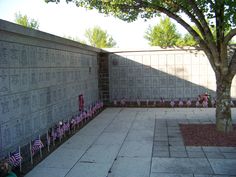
[196, 154]
[110, 138]
[210, 149]
[224, 166]
[178, 154]
[161, 148]
[214, 155]
[119, 126]
[63, 158]
[47, 172]
[136, 149]
[89, 170]
[98, 153]
[212, 176]
[140, 135]
[143, 124]
[79, 141]
[92, 131]
[130, 167]
[160, 153]
[229, 155]
[181, 166]
[176, 143]
[178, 148]
[161, 143]
[159, 138]
[194, 148]
[227, 149]
[170, 175]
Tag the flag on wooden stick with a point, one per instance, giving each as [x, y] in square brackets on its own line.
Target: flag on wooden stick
[15, 158]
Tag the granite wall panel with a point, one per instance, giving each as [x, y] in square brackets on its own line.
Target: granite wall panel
[41, 77]
[155, 73]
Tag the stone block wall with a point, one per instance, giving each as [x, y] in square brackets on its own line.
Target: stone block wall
[103, 83]
[153, 73]
[41, 76]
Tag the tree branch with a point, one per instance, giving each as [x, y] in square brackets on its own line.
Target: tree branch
[232, 64]
[201, 18]
[196, 36]
[194, 20]
[207, 32]
[229, 36]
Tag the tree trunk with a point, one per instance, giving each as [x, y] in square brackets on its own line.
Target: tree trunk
[223, 110]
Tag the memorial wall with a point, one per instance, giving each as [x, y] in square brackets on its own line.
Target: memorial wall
[149, 74]
[41, 76]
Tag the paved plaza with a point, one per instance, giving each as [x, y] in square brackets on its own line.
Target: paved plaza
[139, 142]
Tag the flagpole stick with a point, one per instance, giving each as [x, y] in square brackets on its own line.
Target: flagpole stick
[53, 136]
[68, 121]
[60, 134]
[48, 142]
[40, 149]
[9, 154]
[20, 160]
[31, 155]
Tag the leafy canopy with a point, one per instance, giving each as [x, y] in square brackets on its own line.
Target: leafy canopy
[26, 21]
[204, 14]
[163, 34]
[97, 37]
[196, 10]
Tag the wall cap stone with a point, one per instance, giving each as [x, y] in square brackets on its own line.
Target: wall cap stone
[21, 30]
[150, 49]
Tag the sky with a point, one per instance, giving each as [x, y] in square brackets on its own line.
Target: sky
[68, 20]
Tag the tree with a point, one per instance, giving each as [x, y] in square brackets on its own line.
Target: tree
[187, 40]
[25, 21]
[75, 39]
[204, 14]
[97, 37]
[163, 34]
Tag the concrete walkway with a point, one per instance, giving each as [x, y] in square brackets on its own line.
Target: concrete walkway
[139, 142]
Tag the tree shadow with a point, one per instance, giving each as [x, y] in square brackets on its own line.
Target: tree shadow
[148, 75]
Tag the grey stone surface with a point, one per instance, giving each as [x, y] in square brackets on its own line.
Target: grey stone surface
[47, 172]
[94, 150]
[69, 156]
[194, 148]
[223, 166]
[196, 154]
[181, 165]
[227, 149]
[170, 175]
[156, 79]
[130, 167]
[178, 154]
[101, 153]
[40, 78]
[136, 149]
[214, 155]
[212, 176]
[89, 170]
[159, 153]
[229, 155]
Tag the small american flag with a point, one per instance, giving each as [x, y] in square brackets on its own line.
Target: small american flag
[53, 135]
[15, 159]
[84, 115]
[66, 126]
[37, 145]
[60, 132]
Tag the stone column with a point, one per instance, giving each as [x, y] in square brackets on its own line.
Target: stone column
[103, 80]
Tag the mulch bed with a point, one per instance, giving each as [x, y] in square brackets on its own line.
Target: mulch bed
[206, 135]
